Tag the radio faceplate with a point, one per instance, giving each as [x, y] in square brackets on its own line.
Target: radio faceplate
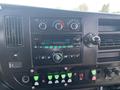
[53, 49]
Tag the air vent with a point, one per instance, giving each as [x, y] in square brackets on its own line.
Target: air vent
[108, 56]
[13, 31]
[109, 25]
[109, 41]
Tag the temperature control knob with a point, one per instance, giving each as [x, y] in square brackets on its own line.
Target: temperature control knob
[42, 26]
[91, 39]
[59, 25]
[57, 57]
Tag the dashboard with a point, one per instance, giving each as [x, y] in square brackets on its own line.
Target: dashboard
[48, 49]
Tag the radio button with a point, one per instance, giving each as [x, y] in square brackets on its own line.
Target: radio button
[81, 76]
[94, 78]
[43, 57]
[56, 81]
[69, 75]
[65, 56]
[50, 77]
[69, 80]
[50, 82]
[93, 72]
[36, 78]
[36, 83]
[63, 81]
[56, 76]
[63, 76]
[48, 57]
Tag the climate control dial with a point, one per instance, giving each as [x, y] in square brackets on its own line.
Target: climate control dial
[42, 26]
[74, 24]
[59, 25]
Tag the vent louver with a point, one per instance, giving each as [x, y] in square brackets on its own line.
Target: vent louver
[13, 31]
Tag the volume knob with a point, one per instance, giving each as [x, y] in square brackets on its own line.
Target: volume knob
[57, 57]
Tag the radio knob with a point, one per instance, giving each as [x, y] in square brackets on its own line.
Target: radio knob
[91, 39]
[57, 57]
[42, 26]
[59, 25]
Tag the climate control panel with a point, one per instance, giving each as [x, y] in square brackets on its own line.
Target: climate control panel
[50, 24]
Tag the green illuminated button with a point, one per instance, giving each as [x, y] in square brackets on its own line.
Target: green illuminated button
[63, 46]
[56, 76]
[55, 47]
[93, 72]
[59, 47]
[63, 76]
[50, 77]
[46, 47]
[69, 75]
[51, 47]
[36, 77]
[70, 46]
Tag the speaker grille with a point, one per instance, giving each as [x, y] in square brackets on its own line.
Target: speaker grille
[13, 31]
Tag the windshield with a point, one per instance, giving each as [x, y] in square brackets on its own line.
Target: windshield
[107, 6]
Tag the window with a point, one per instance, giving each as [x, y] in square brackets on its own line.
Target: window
[107, 6]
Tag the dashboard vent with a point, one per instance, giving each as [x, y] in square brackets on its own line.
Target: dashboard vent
[13, 31]
[109, 41]
[109, 25]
